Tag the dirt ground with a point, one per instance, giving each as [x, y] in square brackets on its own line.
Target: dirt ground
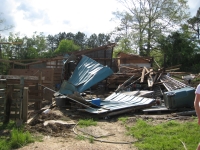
[109, 133]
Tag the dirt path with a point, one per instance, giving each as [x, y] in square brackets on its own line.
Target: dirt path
[68, 138]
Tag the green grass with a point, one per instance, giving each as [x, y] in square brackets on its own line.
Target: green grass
[165, 136]
[80, 137]
[123, 119]
[87, 122]
[91, 139]
[16, 137]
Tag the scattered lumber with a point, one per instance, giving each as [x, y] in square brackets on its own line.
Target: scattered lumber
[39, 112]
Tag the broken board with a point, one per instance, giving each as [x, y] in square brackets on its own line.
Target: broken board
[156, 109]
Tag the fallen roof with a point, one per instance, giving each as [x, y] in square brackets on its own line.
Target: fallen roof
[87, 73]
[118, 103]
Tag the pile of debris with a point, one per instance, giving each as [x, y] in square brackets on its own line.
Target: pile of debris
[139, 89]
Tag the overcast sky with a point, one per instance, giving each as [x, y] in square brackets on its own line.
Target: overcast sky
[54, 16]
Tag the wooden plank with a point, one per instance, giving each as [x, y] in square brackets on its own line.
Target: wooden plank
[25, 104]
[16, 86]
[36, 97]
[155, 77]
[146, 69]
[34, 92]
[150, 82]
[151, 71]
[8, 61]
[142, 77]
[18, 77]
[169, 70]
[47, 82]
[34, 100]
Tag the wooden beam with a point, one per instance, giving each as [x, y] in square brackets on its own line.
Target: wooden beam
[142, 77]
[172, 67]
[146, 69]
[25, 104]
[168, 70]
[19, 77]
[150, 82]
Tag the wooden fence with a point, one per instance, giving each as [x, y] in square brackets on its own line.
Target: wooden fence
[15, 94]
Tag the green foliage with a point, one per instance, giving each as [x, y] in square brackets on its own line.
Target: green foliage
[9, 126]
[158, 57]
[66, 46]
[124, 45]
[80, 39]
[80, 137]
[87, 122]
[16, 139]
[20, 138]
[91, 139]
[123, 119]
[194, 23]
[179, 48]
[165, 135]
[141, 21]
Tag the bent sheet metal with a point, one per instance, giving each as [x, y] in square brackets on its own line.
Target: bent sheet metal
[87, 73]
[118, 103]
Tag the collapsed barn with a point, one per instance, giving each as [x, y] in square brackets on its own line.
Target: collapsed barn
[70, 78]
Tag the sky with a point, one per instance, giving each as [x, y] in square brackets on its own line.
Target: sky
[54, 16]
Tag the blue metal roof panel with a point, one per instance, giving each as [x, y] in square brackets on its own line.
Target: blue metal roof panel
[87, 73]
[118, 101]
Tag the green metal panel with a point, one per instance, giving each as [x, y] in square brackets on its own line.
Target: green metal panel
[180, 98]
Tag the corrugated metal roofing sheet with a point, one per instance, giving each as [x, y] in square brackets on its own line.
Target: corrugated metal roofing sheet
[87, 73]
[120, 101]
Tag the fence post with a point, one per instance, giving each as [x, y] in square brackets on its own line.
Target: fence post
[21, 97]
[25, 104]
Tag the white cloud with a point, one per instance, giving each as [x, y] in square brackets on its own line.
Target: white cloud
[54, 16]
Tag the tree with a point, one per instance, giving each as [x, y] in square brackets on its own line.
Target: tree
[124, 45]
[70, 36]
[123, 31]
[66, 46]
[103, 39]
[80, 39]
[92, 41]
[194, 22]
[50, 42]
[179, 48]
[150, 18]
[3, 26]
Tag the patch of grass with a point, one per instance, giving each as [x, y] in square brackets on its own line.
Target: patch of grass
[91, 139]
[123, 119]
[16, 137]
[166, 136]
[80, 137]
[20, 138]
[9, 126]
[87, 122]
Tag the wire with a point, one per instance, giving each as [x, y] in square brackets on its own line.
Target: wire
[104, 141]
